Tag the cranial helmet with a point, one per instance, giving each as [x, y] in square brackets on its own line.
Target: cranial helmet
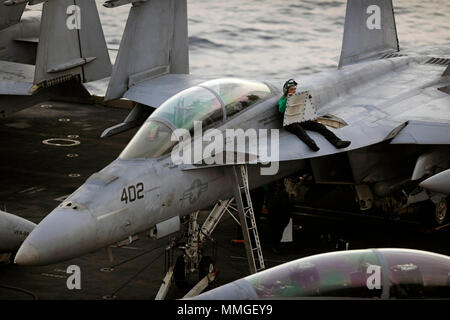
[288, 84]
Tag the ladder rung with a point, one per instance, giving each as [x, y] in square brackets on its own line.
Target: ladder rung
[249, 216]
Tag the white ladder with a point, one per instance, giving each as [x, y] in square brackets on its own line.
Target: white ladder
[247, 218]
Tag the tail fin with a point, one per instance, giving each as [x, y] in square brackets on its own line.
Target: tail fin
[10, 15]
[369, 30]
[71, 43]
[155, 42]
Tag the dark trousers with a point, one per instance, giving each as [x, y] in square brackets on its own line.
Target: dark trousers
[299, 130]
[279, 206]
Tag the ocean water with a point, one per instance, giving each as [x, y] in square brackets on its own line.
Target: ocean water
[281, 38]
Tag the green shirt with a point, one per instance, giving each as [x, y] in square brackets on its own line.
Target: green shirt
[282, 104]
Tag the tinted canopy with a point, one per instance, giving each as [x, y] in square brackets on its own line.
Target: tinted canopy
[403, 274]
[238, 94]
[211, 102]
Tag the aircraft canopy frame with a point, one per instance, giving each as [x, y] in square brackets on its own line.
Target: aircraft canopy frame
[210, 102]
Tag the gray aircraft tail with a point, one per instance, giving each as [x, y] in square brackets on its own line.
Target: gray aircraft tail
[369, 30]
[154, 43]
[71, 44]
[10, 15]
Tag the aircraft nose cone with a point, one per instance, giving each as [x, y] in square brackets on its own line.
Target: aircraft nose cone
[62, 235]
[438, 183]
[27, 255]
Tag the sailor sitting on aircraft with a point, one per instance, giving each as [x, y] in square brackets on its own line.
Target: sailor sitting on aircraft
[299, 114]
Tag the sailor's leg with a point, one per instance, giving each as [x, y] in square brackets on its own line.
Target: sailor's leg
[320, 128]
[296, 128]
[328, 134]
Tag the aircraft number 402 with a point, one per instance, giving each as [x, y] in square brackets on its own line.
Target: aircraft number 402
[132, 193]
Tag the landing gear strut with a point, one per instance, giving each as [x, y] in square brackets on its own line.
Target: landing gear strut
[193, 258]
[440, 212]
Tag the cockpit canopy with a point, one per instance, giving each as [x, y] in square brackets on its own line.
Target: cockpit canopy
[211, 102]
[403, 273]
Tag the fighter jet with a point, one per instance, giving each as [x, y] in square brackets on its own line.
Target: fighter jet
[49, 56]
[393, 105]
[357, 274]
[13, 231]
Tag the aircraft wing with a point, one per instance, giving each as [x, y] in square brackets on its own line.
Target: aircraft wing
[423, 132]
[406, 106]
[16, 78]
[292, 148]
[153, 92]
[423, 109]
[388, 109]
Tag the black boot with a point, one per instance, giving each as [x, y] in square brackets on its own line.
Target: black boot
[313, 146]
[341, 144]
